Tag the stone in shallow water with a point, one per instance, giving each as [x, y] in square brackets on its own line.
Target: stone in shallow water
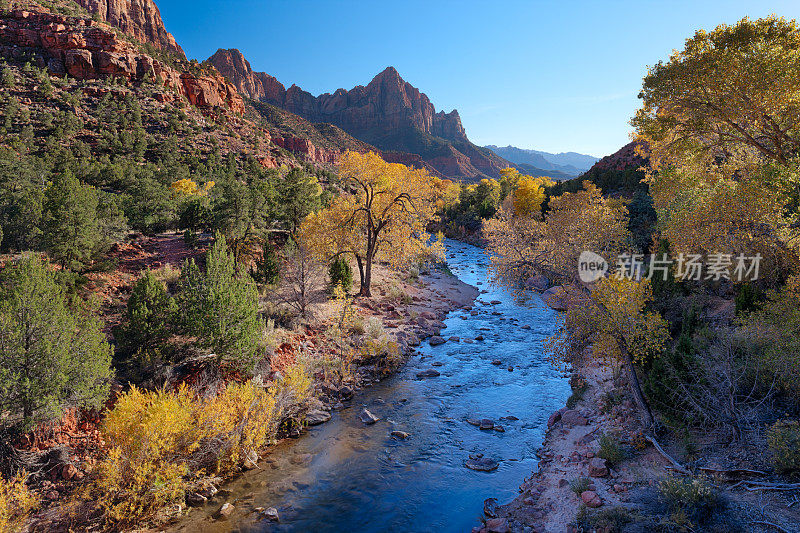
[436, 340]
[270, 513]
[226, 510]
[481, 464]
[490, 507]
[316, 417]
[400, 434]
[486, 424]
[367, 417]
[430, 373]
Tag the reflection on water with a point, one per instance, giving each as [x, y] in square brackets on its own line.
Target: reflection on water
[358, 478]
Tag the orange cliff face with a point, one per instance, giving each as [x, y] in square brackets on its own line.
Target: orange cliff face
[140, 19]
[86, 49]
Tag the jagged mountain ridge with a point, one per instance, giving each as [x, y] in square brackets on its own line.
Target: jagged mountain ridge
[388, 113]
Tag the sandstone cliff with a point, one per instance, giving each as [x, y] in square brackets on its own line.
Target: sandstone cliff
[86, 49]
[140, 19]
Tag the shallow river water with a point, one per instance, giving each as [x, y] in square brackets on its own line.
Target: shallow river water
[359, 478]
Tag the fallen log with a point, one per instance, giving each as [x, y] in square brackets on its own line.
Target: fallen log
[675, 464]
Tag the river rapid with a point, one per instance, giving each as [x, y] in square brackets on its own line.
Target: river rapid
[348, 476]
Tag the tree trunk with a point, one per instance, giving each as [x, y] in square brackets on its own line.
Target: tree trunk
[367, 279]
[637, 391]
[361, 276]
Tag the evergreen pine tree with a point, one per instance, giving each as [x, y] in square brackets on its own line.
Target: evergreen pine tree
[49, 354]
[149, 316]
[71, 227]
[220, 306]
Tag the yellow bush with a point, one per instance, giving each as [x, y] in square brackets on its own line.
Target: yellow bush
[16, 503]
[297, 382]
[240, 419]
[783, 438]
[129, 492]
[151, 435]
[157, 438]
[147, 424]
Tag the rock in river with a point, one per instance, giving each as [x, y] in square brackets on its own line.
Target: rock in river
[400, 434]
[430, 373]
[490, 507]
[482, 464]
[367, 417]
[270, 513]
[436, 340]
[486, 424]
[226, 510]
[316, 417]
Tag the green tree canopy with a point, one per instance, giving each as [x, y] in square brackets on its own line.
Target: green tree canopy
[71, 227]
[220, 306]
[50, 355]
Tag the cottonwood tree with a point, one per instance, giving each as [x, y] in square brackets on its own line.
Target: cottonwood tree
[729, 90]
[220, 306]
[719, 123]
[382, 215]
[49, 354]
[610, 314]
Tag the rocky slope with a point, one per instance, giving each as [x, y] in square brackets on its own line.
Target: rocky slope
[388, 113]
[86, 49]
[140, 19]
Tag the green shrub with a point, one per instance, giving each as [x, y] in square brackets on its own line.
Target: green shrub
[783, 439]
[267, 267]
[610, 520]
[579, 485]
[611, 450]
[220, 307]
[190, 238]
[149, 317]
[340, 273]
[695, 498]
[579, 386]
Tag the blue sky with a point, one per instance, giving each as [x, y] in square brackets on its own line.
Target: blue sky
[554, 76]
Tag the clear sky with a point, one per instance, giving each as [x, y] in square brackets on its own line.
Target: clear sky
[553, 76]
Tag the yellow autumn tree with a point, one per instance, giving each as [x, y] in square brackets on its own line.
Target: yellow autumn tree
[609, 314]
[719, 124]
[381, 216]
[186, 187]
[530, 194]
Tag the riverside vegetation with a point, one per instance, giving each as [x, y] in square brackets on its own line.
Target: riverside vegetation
[177, 374]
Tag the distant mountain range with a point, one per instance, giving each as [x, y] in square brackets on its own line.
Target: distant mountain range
[569, 164]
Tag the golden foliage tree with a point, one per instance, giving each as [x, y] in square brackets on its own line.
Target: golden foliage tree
[382, 215]
[730, 91]
[721, 130]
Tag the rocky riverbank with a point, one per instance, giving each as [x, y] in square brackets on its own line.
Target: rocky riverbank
[598, 471]
[409, 310]
[571, 474]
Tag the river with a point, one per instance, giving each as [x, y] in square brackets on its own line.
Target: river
[359, 478]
